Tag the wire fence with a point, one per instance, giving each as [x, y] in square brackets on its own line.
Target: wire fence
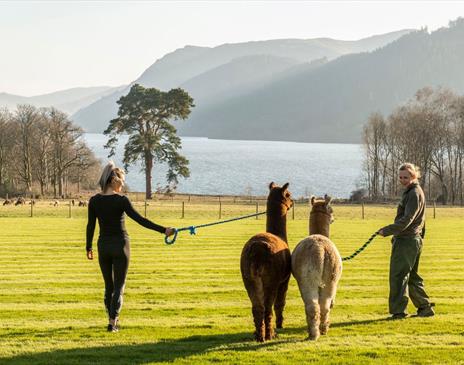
[191, 207]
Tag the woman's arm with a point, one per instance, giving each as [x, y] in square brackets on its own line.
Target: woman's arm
[90, 225]
[131, 212]
[410, 213]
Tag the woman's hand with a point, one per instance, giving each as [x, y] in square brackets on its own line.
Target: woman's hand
[381, 233]
[90, 255]
[169, 231]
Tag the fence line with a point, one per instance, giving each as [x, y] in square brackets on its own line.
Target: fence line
[228, 208]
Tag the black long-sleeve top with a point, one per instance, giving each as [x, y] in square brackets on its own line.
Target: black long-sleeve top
[110, 209]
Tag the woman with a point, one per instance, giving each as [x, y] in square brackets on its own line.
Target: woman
[407, 231]
[109, 207]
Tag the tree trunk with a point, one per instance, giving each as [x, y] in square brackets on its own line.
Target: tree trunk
[42, 185]
[60, 184]
[66, 179]
[460, 178]
[444, 190]
[1, 167]
[148, 169]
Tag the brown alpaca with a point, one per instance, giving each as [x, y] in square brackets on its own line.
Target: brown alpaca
[266, 265]
[317, 267]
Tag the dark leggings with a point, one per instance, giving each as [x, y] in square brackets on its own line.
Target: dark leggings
[114, 262]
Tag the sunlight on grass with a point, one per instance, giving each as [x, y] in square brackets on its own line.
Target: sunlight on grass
[186, 303]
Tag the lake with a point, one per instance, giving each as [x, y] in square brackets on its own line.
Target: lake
[230, 167]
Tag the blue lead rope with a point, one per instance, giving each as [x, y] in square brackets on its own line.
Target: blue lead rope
[193, 229]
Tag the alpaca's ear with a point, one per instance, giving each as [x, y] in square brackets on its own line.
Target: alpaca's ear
[313, 198]
[285, 187]
[327, 199]
[272, 185]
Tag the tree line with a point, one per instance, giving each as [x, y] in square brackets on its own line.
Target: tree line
[43, 152]
[428, 130]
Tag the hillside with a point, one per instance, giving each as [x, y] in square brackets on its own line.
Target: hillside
[69, 100]
[332, 102]
[197, 68]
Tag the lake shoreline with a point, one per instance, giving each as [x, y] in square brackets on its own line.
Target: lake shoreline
[246, 167]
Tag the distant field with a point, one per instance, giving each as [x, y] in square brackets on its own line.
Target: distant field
[186, 303]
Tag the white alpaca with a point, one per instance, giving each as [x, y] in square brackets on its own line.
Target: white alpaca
[317, 267]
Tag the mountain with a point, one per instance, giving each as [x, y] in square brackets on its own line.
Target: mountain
[241, 67]
[332, 102]
[183, 64]
[228, 80]
[69, 100]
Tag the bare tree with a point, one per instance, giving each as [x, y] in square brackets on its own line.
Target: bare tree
[43, 152]
[27, 119]
[7, 141]
[429, 131]
[65, 147]
[374, 137]
[83, 169]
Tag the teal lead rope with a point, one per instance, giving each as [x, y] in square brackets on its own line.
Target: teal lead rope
[361, 249]
[193, 229]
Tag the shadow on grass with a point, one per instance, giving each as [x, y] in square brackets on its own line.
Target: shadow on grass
[161, 351]
[303, 329]
[164, 350]
[355, 323]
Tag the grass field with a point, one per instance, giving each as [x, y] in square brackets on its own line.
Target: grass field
[186, 303]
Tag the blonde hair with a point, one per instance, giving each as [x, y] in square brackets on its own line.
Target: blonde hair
[111, 174]
[413, 170]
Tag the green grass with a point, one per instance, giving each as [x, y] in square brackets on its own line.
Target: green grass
[186, 303]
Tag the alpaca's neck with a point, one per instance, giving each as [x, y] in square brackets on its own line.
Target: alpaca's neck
[276, 223]
[319, 224]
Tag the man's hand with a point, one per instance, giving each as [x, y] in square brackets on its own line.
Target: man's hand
[381, 233]
[90, 255]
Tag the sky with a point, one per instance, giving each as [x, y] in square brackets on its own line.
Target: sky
[46, 46]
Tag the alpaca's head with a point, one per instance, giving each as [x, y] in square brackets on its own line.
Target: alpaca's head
[321, 216]
[322, 207]
[279, 198]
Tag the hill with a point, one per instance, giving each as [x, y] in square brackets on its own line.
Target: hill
[331, 103]
[69, 100]
[203, 70]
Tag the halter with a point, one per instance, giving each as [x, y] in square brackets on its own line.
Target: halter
[321, 212]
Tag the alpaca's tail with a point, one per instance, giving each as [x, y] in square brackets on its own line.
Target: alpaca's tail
[253, 265]
[316, 265]
[309, 261]
[256, 258]
[259, 257]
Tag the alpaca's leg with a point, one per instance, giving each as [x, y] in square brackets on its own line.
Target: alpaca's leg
[255, 292]
[269, 299]
[258, 317]
[326, 297]
[310, 297]
[280, 303]
[313, 318]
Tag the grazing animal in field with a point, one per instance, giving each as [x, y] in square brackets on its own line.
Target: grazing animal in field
[32, 202]
[20, 201]
[7, 202]
[82, 203]
[56, 203]
[317, 267]
[265, 264]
